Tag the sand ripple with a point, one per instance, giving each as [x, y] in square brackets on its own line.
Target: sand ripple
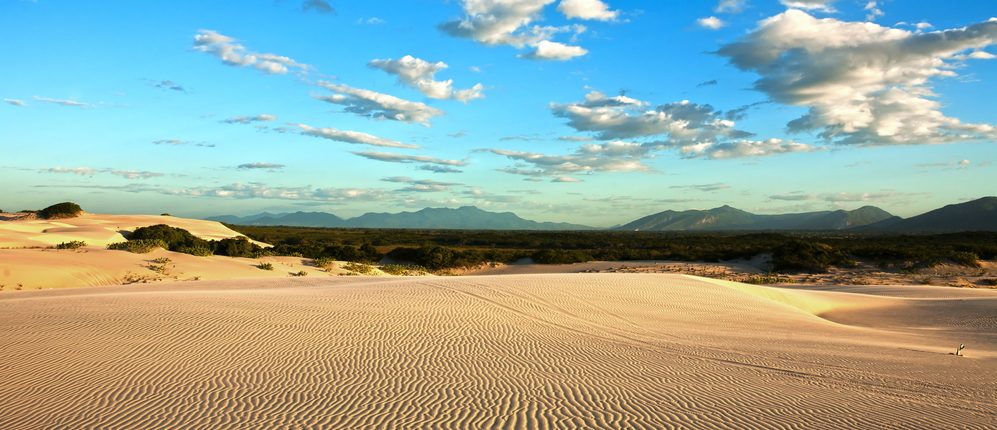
[511, 352]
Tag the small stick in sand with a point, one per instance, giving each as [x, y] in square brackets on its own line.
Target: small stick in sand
[958, 351]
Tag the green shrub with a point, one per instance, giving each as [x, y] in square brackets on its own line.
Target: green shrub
[73, 244]
[299, 273]
[403, 270]
[140, 246]
[265, 266]
[176, 239]
[236, 247]
[61, 210]
[797, 255]
[560, 256]
[360, 268]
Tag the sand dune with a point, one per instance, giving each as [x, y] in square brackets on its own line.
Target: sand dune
[99, 230]
[531, 351]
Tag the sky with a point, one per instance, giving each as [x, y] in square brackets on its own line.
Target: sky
[586, 111]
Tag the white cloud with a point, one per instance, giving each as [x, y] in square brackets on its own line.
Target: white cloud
[82, 171]
[421, 75]
[404, 158]
[255, 190]
[89, 171]
[510, 22]
[587, 9]
[616, 156]
[711, 22]
[547, 50]
[15, 102]
[745, 148]
[235, 54]
[378, 105]
[730, 6]
[621, 117]
[873, 11]
[566, 179]
[420, 185]
[63, 102]
[864, 84]
[818, 5]
[351, 137]
[250, 119]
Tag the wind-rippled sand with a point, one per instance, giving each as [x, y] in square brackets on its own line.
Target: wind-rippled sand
[615, 351]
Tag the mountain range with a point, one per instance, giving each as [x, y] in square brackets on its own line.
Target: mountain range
[976, 215]
[462, 218]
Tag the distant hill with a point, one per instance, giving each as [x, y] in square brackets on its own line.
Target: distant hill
[463, 218]
[726, 218]
[976, 215]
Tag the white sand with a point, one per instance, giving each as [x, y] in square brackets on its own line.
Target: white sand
[520, 351]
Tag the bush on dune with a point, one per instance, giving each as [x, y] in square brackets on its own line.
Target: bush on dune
[236, 247]
[73, 244]
[61, 210]
[139, 246]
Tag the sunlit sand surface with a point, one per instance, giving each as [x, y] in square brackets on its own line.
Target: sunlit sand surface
[519, 351]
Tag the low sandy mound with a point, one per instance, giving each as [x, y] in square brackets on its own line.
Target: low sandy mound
[535, 351]
[99, 230]
[38, 269]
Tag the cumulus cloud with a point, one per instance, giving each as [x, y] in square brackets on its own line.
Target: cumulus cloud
[745, 148]
[547, 50]
[622, 117]
[566, 179]
[250, 119]
[260, 166]
[349, 136]
[233, 53]
[862, 83]
[63, 102]
[587, 9]
[421, 75]
[404, 158]
[378, 105]
[510, 22]
[711, 22]
[15, 102]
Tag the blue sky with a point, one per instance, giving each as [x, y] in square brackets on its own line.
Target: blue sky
[588, 111]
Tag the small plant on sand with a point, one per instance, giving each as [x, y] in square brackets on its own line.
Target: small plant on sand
[161, 260]
[140, 246]
[324, 263]
[73, 244]
[403, 270]
[299, 273]
[359, 268]
[265, 266]
[61, 210]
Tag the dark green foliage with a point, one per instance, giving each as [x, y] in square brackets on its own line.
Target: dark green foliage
[560, 256]
[61, 210]
[175, 238]
[265, 266]
[473, 247]
[73, 244]
[236, 247]
[139, 246]
[815, 257]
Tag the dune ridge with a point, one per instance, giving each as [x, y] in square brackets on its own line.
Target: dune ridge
[530, 351]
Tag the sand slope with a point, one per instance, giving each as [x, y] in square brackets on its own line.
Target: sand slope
[532, 351]
[99, 230]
